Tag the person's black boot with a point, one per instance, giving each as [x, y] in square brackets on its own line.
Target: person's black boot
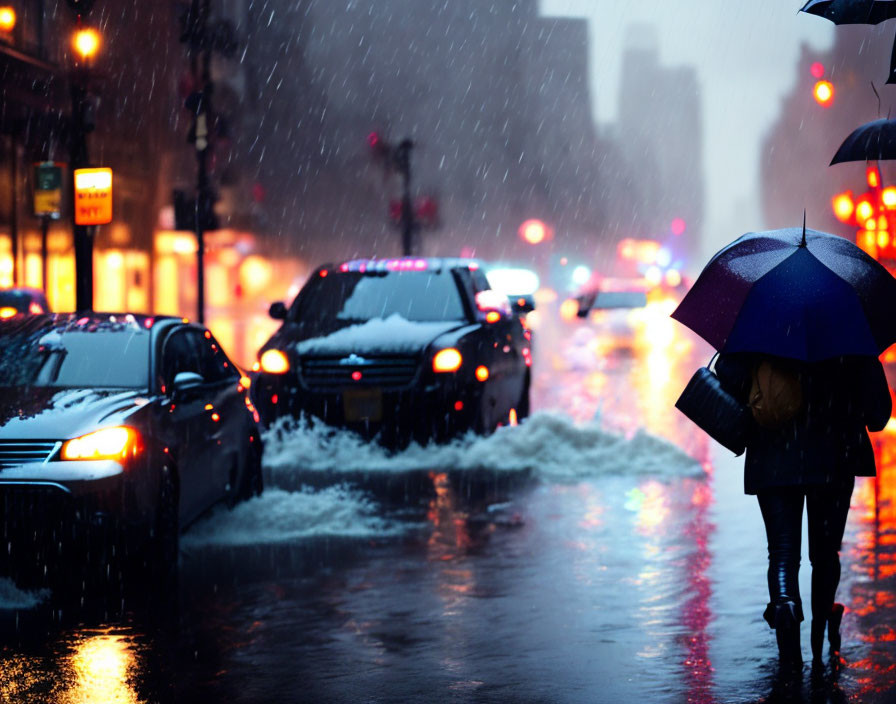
[834, 628]
[787, 617]
[816, 639]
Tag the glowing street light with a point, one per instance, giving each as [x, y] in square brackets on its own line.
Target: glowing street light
[7, 19]
[534, 231]
[86, 42]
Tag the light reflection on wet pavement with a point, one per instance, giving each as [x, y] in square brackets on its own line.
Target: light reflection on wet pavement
[606, 588]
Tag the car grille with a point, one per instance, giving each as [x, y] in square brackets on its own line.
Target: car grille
[330, 373]
[16, 452]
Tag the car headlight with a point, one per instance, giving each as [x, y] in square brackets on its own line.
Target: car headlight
[274, 362]
[447, 360]
[117, 443]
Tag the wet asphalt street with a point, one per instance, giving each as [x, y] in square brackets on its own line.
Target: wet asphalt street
[601, 552]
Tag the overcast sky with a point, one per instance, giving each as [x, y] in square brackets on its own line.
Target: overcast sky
[745, 55]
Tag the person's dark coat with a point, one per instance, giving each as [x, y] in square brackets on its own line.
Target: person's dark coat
[827, 441]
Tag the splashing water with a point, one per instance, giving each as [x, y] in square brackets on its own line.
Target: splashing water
[549, 445]
[280, 516]
[13, 598]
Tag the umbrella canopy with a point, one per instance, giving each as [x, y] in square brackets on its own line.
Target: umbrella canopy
[873, 141]
[793, 293]
[852, 11]
[857, 12]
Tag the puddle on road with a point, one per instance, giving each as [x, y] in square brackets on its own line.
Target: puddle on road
[549, 447]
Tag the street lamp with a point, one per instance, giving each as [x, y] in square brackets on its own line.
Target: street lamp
[534, 231]
[86, 42]
[7, 19]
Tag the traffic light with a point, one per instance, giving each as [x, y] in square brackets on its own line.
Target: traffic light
[823, 92]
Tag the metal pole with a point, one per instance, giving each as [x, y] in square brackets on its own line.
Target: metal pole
[45, 276]
[203, 195]
[82, 234]
[403, 163]
[14, 222]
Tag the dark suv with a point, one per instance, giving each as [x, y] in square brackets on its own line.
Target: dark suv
[397, 349]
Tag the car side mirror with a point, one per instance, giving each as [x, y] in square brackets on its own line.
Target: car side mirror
[278, 310]
[184, 381]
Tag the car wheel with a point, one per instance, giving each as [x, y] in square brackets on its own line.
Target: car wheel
[251, 479]
[165, 539]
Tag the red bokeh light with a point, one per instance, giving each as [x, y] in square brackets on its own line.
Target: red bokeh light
[817, 69]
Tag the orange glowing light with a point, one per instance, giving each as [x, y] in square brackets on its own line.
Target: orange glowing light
[823, 93]
[274, 362]
[533, 231]
[888, 196]
[86, 42]
[492, 316]
[844, 207]
[216, 417]
[514, 420]
[482, 373]
[873, 176]
[864, 210]
[447, 360]
[7, 19]
[883, 238]
[8, 312]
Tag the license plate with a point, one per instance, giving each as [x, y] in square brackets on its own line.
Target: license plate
[359, 405]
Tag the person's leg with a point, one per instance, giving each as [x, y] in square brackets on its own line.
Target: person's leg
[782, 512]
[827, 508]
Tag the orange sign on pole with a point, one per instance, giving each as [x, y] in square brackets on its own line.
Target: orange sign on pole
[93, 196]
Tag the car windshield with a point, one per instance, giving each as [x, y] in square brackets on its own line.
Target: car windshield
[328, 303]
[81, 357]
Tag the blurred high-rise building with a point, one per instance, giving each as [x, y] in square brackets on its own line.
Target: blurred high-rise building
[660, 131]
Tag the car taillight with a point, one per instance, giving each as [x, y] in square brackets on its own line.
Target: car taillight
[274, 362]
[447, 360]
[117, 443]
[8, 312]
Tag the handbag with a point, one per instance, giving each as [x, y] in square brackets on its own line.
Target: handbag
[725, 419]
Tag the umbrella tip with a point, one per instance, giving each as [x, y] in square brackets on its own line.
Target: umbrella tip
[803, 243]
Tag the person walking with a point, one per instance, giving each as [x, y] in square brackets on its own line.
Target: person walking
[807, 441]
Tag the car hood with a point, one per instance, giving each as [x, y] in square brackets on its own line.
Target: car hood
[391, 336]
[32, 413]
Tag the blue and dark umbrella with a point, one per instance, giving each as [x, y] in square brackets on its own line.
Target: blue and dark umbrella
[856, 12]
[793, 293]
[873, 141]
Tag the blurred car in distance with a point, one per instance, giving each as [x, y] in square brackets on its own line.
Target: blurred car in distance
[125, 425]
[22, 301]
[397, 349]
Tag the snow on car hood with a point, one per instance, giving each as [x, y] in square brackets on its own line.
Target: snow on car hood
[392, 335]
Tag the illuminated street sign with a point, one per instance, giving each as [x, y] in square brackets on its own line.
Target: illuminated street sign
[93, 196]
[47, 190]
